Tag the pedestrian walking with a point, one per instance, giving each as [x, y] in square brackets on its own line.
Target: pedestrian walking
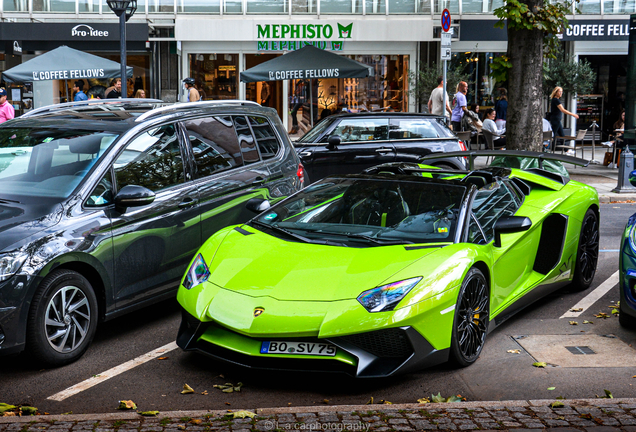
[459, 106]
[193, 93]
[6, 109]
[115, 91]
[436, 100]
[556, 114]
[78, 89]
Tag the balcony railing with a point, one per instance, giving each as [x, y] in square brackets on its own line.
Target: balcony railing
[301, 7]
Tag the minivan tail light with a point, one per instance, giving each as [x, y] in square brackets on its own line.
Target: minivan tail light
[301, 173]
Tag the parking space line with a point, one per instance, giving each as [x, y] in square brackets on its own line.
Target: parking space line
[99, 378]
[587, 301]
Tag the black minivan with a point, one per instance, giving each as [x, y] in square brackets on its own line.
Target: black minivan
[104, 204]
[349, 143]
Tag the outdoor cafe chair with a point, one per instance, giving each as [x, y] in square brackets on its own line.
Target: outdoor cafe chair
[580, 136]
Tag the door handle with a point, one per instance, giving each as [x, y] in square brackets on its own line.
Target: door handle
[188, 202]
[383, 150]
[305, 153]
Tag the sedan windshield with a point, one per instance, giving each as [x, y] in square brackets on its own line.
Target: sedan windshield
[48, 162]
[372, 212]
[313, 134]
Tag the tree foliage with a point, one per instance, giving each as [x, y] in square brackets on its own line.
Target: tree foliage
[562, 71]
[424, 80]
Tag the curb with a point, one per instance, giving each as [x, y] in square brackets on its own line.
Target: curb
[131, 415]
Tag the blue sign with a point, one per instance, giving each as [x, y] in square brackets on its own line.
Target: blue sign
[446, 20]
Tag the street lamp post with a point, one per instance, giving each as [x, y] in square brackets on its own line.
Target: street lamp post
[124, 9]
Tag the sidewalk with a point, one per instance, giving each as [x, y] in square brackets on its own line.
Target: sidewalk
[591, 415]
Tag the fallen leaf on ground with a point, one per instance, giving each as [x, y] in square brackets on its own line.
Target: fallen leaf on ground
[204, 392]
[6, 407]
[615, 311]
[325, 401]
[196, 421]
[576, 310]
[149, 413]
[539, 364]
[229, 387]
[574, 323]
[588, 322]
[551, 388]
[182, 427]
[514, 351]
[602, 315]
[586, 416]
[370, 402]
[385, 402]
[187, 389]
[242, 414]
[557, 404]
[424, 400]
[126, 404]
[28, 410]
[162, 358]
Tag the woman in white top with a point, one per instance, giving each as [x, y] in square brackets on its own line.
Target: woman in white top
[490, 125]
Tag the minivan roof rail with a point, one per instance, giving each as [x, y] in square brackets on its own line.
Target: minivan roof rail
[199, 104]
[98, 103]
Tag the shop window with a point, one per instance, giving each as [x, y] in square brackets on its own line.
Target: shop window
[373, 7]
[423, 6]
[88, 6]
[214, 145]
[268, 144]
[592, 7]
[199, 6]
[402, 6]
[246, 140]
[54, 6]
[451, 5]
[233, 7]
[215, 75]
[267, 6]
[160, 6]
[618, 6]
[304, 6]
[15, 5]
[340, 7]
[480, 6]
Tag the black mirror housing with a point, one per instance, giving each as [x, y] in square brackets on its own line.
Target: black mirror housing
[133, 196]
[257, 205]
[333, 142]
[510, 224]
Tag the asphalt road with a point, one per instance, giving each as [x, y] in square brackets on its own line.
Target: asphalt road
[497, 375]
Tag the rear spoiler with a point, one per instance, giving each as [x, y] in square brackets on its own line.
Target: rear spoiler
[471, 155]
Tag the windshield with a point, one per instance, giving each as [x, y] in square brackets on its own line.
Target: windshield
[48, 162]
[370, 211]
[313, 134]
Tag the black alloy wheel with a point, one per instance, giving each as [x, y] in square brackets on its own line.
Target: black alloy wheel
[472, 314]
[62, 318]
[587, 253]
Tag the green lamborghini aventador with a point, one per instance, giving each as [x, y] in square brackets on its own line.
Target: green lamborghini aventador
[398, 268]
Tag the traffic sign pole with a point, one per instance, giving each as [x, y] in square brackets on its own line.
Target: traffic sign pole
[445, 51]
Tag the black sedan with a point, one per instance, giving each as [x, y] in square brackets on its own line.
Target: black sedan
[349, 143]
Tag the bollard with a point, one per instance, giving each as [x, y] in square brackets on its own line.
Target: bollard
[625, 167]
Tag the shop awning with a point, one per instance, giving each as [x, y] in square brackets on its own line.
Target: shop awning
[308, 62]
[65, 63]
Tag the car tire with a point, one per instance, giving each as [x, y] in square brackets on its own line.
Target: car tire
[470, 325]
[586, 253]
[62, 318]
[626, 321]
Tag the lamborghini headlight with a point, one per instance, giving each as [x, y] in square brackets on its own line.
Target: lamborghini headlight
[10, 263]
[197, 273]
[386, 297]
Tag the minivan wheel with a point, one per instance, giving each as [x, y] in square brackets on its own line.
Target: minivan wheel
[62, 318]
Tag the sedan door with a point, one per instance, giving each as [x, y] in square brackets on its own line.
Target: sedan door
[364, 143]
[154, 243]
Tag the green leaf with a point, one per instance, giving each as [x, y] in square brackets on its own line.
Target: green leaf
[6, 407]
[149, 413]
[126, 405]
[29, 410]
[539, 364]
[437, 398]
[608, 394]
[242, 414]
[557, 404]
[551, 388]
[454, 399]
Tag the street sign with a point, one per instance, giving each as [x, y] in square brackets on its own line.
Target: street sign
[446, 46]
[445, 54]
[446, 20]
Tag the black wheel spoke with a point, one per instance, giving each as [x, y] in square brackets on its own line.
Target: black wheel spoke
[472, 317]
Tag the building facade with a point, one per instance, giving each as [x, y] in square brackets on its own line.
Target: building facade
[214, 40]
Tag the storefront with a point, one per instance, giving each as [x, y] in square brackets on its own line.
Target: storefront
[214, 52]
[23, 41]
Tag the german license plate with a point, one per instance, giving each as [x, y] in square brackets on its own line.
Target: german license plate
[298, 348]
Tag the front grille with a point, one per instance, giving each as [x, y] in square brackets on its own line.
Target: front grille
[382, 343]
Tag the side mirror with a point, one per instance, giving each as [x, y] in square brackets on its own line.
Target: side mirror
[510, 224]
[134, 196]
[333, 142]
[632, 178]
[257, 205]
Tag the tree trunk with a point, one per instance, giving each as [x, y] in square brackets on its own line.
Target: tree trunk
[524, 130]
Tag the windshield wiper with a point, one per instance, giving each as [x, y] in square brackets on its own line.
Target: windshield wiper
[7, 201]
[362, 237]
[294, 235]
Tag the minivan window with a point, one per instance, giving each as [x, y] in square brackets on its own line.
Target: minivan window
[266, 139]
[46, 161]
[246, 140]
[152, 159]
[214, 144]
